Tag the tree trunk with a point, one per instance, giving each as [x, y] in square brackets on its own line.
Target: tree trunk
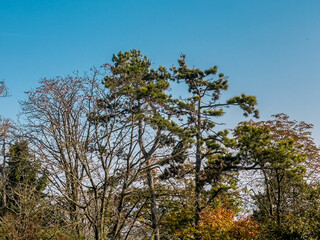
[198, 165]
[154, 214]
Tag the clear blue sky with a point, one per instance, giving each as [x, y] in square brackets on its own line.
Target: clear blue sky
[268, 48]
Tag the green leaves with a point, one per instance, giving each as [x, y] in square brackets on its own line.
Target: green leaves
[274, 149]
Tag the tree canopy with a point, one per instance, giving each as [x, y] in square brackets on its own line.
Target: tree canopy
[116, 153]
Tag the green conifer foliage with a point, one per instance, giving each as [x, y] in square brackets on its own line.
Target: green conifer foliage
[202, 107]
[138, 93]
[23, 175]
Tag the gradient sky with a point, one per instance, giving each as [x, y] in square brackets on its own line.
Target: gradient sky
[268, 48]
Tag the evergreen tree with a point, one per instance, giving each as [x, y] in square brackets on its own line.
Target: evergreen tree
[140, 94]
[202, 108]
[22, 176]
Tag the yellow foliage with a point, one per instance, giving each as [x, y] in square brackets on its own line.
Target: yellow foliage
[221, 224]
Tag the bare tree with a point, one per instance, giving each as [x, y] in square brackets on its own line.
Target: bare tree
[89, 148]
[3, 89]
[56, 120]
[7, 136]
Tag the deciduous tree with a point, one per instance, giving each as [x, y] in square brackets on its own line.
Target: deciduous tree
[277, 150]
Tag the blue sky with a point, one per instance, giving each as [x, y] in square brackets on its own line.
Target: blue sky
[268, 48]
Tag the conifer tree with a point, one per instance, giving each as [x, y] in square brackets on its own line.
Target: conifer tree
[202, 108]
[142, 92]
[23, 176]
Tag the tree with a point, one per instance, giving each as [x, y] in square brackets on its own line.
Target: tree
[23, 172]
[277, 150]
[201, 108]
[6, 128]
[89, 146]
[7, 137]
[281, 127]
[3, 89]
[142, 92]
[57, 124]
[22, 209]
[221, 224]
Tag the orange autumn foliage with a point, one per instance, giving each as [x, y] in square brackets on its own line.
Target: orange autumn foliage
[221, 224]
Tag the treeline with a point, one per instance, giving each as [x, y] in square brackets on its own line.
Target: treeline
[116, 153]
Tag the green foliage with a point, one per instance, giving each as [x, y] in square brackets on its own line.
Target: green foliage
[22, 177]
[246, 103]
[23, 169]
[212, 173]
[283, 205]
[146, 164]
[25, 212]
[141, 91]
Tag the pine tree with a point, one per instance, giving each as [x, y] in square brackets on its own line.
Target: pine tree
[202, 108]
[140, 94]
